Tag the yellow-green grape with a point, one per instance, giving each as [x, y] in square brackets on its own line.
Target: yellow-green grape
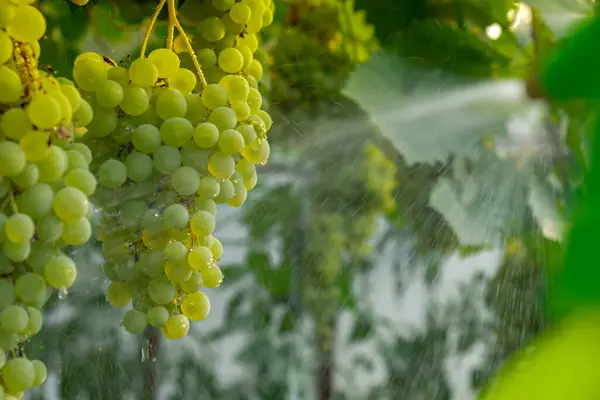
[195, 306]
[176, 327]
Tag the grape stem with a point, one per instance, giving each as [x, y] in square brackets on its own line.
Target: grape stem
[155, 15]
[171, 30]
[13, 203]
[186, 41]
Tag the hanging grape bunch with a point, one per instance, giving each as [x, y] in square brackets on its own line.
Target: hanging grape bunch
[169, 145]
[44, 189]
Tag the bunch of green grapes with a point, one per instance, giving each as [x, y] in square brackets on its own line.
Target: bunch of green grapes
[44, 189]
[316, 50]
[168, 149]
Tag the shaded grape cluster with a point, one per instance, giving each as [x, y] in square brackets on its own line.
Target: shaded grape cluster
[44, 187]
[170, 144]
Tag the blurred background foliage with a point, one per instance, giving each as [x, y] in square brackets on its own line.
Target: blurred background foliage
[298, 316]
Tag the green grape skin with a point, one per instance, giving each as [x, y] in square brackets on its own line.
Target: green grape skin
[139, 166]
[185, 181]
[211, 29]
[146, 138]
[196, 110]
[83, 115]
[90, 74]
[135, 321]
[112, 174]
[206, 135]
[60, 272]
[119, 294]
[209, 187]
[176, 327]
[157, 316]
[236, 87]
[176, 251]
[231, 60]
[167, 159]
[202, 223]
[70, 203]
[166, 62]
[193, 283]
[12, 158]
[27, 177]
[231, 141]
[14, 122]
[143, 72]
[81, 179]
[14, 319]
[214, 96]
[240, 13]
[135, 100]
[36, 201]
[226, 191]
[177, 272]
[175, 132]
[171, 103]
[183, 81]
[18, 374]
[212, 277]
[161, 291]
[206, 57]
[77, 232]
[40, 372]
[110, 94]
[241, 109]
[176, 217]
[221, 165]
[196, 306]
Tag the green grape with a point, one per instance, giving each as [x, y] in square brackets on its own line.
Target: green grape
[223, 5]
[83, 115]
[72, 94]
[211, 29]
[175, 132]
[236, 87]
[183, 81]
[212, 277]
[49, 228]
[240, 13]
[15, 123]
[139, 166]
[35, 320]
[84, 150]
[231, 27]
[19, 228]
[76, 160]
[60, 272]
[255, 69]
[12, 158]
[176, 217]
[7, 293]
[241, 194]
[135, 321]
[193, 283]
[119, 294]
[44, 111]
[166, 62]
[216, 247]
[206, 135]
[18, 375]
[146, 138]
[11, 87]
[196, 306]
[81, 179]
[226, 192]
[200, 257]
[249, 40]
[77, 232]
[27, 177]
[40, 372]
[131, 213]
[135, 100]
[112, 174]
[177, 272]
[167, 159]
[119, 75]
[110, 94]
[8, 340]
[221, 165]
[185, 181]
[248, 57]
[171, 103]
[176, 327]
[176, 251]
[14, 319]
[208, 188]
[27, 24]
[262, 114]
[104, 121]
[161, 291]
[231, 141]
[90, 74]
[141, 301]
[36, 201]
[241, 109]
[53, 166]
[202, 223]
[143, 72]
[214, 96]
[231, 60]
[6, 48]
[245, 168]
[259, 154]
[196, 110]
[254, 100]
[70, 203]
[206, 57]
[157, 316]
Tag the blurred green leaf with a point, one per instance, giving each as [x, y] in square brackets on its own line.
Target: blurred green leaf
[363, 327]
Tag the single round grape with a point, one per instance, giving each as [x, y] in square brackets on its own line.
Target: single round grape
[11, 87]
[12, 158]
[166, 62]
[212, 277]
[211, 29]
[76, 160]
[241, 109]
[208, 188]
[214, 96]
[255, 69]
[254, 100]
[202, 223]
[196, 306]
[35, 320]
[196, 110]
[185, 181]
[175, 132]
[27, 25]
[206, 135]
[183, 80]
[70, 203]
[226, 191]
[83, 115]
[146, 138]
[110, 94]
[44, 111]
[19, 228]
[194, 282]
[239, 198]
[223, 5]
[90, 74]
[157, 316]
[139, 166]
[18, 374]
[195, 157]
[231, 60]
[161, 291]
[7, 293]
[49, 228]
[119, 294]
[72, 94]
[76, 232]
[104, 122]
[6, 48]
[177, 272]
[53, 166]
[206, 57]
[236, 87]
[176, 216]
[135, 100]
[27, 177]
[167, 159]
[81, 179]
[14, 319]
[119, 75]
[60, 272]
[258, 154]
[200, 257]
[36, 201]
[248, 57]
[221, 165]
[15, 123]
[262, 114]
[176, 327]
[112, 174]
[176, 251]
[40, 372]
[223, 118]
[134, 321]
[143, 72]
[231, 141]
[216, 247]
[171, 103]
[240, 13]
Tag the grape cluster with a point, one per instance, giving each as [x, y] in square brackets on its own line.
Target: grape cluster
[169, 148]
[44, 189]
